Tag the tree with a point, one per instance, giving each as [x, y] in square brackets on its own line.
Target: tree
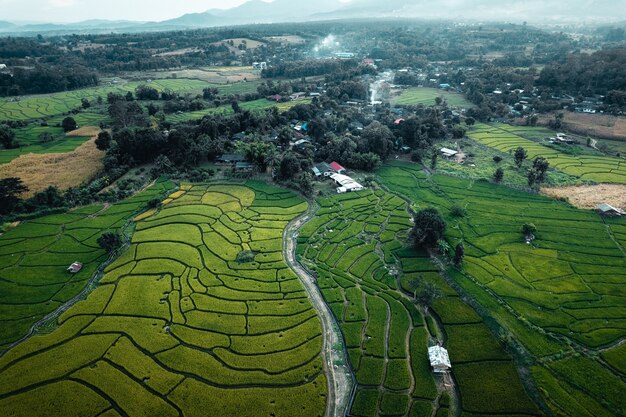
[540, 166]
[520, 156]
[84, 103]
[162, 166]
[379, 139]
[110, 241]
[68, 124]
[498, 175]
[259, 153]
[531, 177]
[433, 160]
[470, 121]
[426, 293]
[46, 137]
[289, 166]
[235, 106]
[103, 141]
[459, 254]
[10, 189]
[528, 229]
[457, 211]
[429, 227]
[7, 137]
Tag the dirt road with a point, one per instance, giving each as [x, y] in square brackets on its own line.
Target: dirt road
[340, 381]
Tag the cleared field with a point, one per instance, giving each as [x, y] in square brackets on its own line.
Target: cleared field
[34, 257]
[255, 105]
[63, 170]
[353, 244]
[40, 106]
[561, 292]
[590, 196]
[427, 96]
[179, 326]
[600, 169]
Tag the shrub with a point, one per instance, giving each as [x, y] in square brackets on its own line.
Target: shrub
[457, 211]
[245, 256]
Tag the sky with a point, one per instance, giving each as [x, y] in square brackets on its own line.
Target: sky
[77, 10]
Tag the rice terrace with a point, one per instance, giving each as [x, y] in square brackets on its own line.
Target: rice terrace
[346, 208]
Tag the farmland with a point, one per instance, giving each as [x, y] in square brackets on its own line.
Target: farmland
[560, 297]
[182, 323]
[255, 105]
[597, 168]
[426, 96]
[40, 106]
[354, 244]
[34, 257]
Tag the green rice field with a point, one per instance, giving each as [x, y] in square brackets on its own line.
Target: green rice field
[354, 244]
[46, 105]
[597, 168]
[426, 96]
[34, 257]
[181, 324]
[560, 297]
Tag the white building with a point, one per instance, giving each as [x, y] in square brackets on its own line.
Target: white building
[346, 184]
[439, 359]
[448, 153]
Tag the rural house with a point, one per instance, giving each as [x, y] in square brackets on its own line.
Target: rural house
[448, 153]
[346, 184]
[439, 359]
[230, 159]
[610, 211]
[75, 267]
[337, 168]
[322, 169]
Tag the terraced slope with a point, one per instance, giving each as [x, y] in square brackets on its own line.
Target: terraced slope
[561, 297]
[601, 169]
[355, 245]
[180, 326]
[34, 257]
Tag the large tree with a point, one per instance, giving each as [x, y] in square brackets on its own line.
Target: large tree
[520, 156]
[68, 124]
[110, 241]
[7, 137]
[10, 189]
[429, 227]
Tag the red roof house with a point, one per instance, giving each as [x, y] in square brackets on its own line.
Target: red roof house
[337, 168]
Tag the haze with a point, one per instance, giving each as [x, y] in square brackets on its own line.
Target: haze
[147, 10]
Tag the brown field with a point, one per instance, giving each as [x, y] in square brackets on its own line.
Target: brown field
[287, 39]
[85, 131]
[590, 196]
[178, 52]
[594, 125]
[212, 75]
[39, 171]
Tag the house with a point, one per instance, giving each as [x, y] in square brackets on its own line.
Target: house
[398, 121]
[356, 126]
[337, 168]
[276, 97]
[439, 359]
[444, 86]
[75, 267]
[346, 184]
[259, 65]
[323, 169]
[3, 66]
[230, 159]
[344, 55]
[297, 96]
[315, 94]
[610, 211]
[301, 142]
[448, 153]
[406, 149]
[243, 167]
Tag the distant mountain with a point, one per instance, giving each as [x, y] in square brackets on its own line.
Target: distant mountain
[258, 11]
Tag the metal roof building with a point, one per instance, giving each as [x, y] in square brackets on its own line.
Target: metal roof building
[439, 359]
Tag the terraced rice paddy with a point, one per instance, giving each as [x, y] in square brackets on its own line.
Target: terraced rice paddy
[255, 105]
[426, 96]
[562, 297]
[178, 326]
[600, 169]
[39, 106]
[354, 246]
[34, 257]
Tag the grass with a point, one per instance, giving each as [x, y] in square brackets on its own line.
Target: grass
[588, 167]
[174, 322]
[558, 292]
[427, 96]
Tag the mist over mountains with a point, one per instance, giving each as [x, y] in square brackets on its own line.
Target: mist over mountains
[258, 11]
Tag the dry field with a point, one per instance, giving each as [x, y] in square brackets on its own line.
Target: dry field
[590, 196]
[39, 171]
[211, 75]
[286, 39]
[595, 125]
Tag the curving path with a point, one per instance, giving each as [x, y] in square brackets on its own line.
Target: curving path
[341, 385]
